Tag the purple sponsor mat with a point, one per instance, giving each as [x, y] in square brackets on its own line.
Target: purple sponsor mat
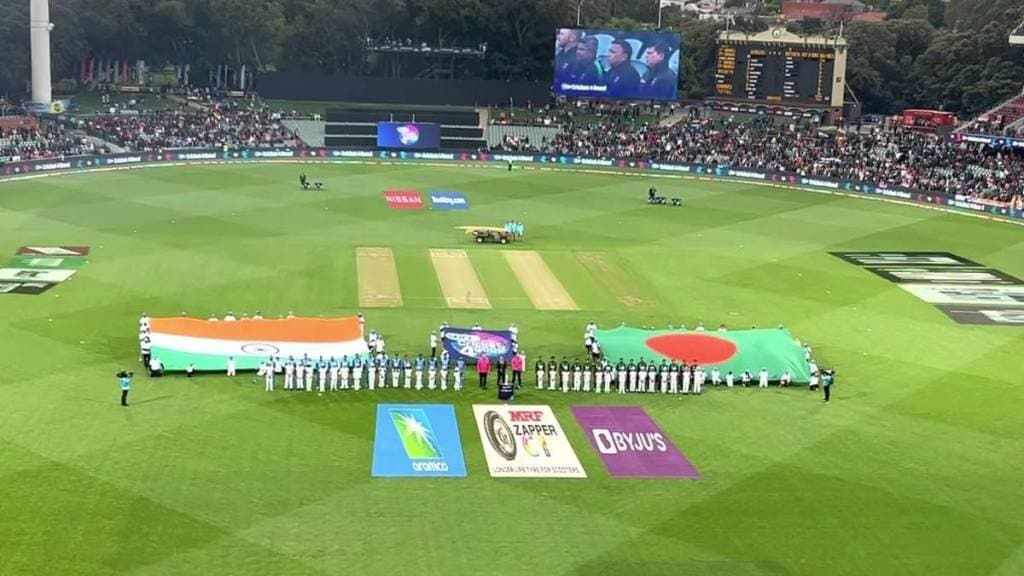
[631, 444]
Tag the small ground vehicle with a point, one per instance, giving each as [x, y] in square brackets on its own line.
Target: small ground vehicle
[488, 235]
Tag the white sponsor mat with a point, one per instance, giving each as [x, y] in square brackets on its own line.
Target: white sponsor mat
[525, 442]
[34, 275]
[979, 295]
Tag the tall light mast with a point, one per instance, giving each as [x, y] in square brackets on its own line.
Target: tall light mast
[39, 16]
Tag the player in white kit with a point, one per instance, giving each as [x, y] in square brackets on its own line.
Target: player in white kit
[577, 376]
[268, 376]
[698, 379]
[598, 378]
[332, 367]
[716, 377]
[289, 374]
[673, 379]
[652, 377]
[231, 365]
[687, 374]
[432, 374]
[321, 368]
[729, 379]
[762, 378]
[308, 373]
[357, 373]
[371, 373]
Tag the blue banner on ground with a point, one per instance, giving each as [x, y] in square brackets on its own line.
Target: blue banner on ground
[470, 345]
[417, 440]
[448, 200]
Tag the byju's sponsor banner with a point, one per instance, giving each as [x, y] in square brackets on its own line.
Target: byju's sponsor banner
[471, 345]
[34, 275]
[630, 444]
[986, 316]
[53, 251]
[525, 442]
[33, 288]
[46, 262]
[448, 200]
[404, 199]
[417, 440]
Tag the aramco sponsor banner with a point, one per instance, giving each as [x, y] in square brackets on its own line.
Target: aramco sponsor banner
[630, 444]
[471, 345]
[417, 440]
[525, 442]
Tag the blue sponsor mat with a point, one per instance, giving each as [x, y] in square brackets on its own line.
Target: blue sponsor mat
[418, 440]
[448, 200]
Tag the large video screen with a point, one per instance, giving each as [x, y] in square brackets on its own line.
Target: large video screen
[616, 64]
[408, 135]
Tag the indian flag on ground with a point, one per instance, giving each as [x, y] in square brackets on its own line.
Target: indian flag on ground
[177, 342]
[736, 350]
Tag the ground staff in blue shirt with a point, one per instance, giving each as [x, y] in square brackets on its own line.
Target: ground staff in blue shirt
[827, 380]
[125, 380]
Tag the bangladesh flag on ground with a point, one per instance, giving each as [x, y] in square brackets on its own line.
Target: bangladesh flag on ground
[736, 350]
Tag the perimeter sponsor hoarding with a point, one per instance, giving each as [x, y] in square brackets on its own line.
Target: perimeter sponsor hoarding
[525, 442]
[630, 444]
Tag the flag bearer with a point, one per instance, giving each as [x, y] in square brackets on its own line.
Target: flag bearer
[716, 376]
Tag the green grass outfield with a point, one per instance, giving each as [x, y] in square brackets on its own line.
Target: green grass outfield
[915, 467]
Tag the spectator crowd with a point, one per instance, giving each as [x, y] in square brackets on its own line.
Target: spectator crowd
[888, 156]
[223, 124]
[31, 142]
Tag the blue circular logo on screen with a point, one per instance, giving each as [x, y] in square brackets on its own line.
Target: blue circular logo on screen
[408, 134]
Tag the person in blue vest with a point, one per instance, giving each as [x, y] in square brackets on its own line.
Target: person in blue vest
[124, 378]
[445, 360]
[396, 369]
[828, 378]
[460, 366]
[419, 372]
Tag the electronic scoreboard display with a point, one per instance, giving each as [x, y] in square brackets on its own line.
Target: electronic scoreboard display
[776, 74]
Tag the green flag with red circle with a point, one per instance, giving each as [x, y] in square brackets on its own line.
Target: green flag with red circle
[737, 350]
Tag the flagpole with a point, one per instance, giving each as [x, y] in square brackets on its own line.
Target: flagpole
[660, 5]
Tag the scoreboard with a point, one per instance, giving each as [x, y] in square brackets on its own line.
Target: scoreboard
[774, 71]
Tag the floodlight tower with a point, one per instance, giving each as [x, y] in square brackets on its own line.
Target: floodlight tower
[40, 26]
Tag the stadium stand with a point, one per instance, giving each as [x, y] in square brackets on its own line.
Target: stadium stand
[889, 156]
[226, 124]
[520, 138]
[357, 128]
[999, 119]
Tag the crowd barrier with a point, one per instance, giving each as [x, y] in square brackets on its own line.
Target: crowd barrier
[868, 189]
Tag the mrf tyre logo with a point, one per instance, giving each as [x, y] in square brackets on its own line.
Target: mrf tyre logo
[500, 435]
[525, 442]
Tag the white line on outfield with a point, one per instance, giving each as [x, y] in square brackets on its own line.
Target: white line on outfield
[478, 166]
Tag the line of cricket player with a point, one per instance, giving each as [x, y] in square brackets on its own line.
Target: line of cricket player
[641, 377]
[355, 373]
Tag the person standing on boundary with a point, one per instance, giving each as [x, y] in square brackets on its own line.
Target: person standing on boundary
[517, 364]
[828, 378]
[483, 366]
[124, 379]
